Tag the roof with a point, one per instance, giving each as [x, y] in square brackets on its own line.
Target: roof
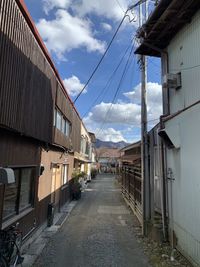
[93, 137]
[134, 145]
[37, 36]
[168, 18]
[130, 158]
[104, 152]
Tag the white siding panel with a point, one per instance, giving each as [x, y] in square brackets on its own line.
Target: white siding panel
[184, 191]
[184, 57]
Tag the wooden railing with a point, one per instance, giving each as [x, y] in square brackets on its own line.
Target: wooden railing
[132, 186]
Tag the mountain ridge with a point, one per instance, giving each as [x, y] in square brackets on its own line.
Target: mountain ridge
[109, 144]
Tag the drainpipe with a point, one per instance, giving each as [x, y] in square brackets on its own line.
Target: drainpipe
[166, 112]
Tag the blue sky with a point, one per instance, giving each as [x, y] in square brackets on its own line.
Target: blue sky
[76, 33]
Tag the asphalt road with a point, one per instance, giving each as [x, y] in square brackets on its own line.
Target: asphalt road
[98, 232]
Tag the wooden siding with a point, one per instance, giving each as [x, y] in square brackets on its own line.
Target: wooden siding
[64, 104]
[30, 87]
[26, 99]
[132, 187]
[61, 139]
[76, 133]
[17, 150]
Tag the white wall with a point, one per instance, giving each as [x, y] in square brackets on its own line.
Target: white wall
[184, 213]
[184, 53]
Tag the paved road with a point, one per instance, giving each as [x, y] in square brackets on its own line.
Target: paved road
[98, 232]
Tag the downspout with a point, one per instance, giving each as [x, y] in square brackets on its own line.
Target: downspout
[166, 112]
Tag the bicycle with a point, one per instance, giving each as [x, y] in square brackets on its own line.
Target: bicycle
[10, 244]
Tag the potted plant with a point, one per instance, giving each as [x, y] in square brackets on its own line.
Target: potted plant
[93, 173]
[75, 186]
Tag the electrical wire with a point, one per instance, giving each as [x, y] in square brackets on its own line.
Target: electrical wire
[117, 91]
[101, 59]
[103, 91]
[109, 45]
[120, 6]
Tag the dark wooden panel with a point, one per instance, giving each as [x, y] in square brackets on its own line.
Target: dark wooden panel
[76, 132]
[63, 103]
[29, 84]
[18, 150]
[26, 86]
[61, 139]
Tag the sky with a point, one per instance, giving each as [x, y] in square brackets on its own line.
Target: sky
[77, 33]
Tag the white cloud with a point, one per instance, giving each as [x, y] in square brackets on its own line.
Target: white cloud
[154, 99]
[120, 113]
[109, 9]
[66, 32]
[106, 26]
[123, 114]
[48, 5]
[110, 134]
[73, 85]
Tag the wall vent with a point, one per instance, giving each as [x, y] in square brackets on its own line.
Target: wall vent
[173, 81]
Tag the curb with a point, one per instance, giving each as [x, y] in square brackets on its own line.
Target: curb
[34, 247]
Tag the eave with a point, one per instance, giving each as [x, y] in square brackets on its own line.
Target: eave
[169, 17]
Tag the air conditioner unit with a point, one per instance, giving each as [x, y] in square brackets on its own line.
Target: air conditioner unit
[173, 81]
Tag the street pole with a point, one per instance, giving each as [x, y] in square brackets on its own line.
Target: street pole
[144, 133]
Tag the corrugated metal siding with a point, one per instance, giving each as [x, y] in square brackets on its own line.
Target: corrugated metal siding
[184, 191]
[184, 55]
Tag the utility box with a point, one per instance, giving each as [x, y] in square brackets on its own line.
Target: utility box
[50, 214]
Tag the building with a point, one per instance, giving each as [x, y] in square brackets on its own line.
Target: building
[85, 158]
[108, 159]
[40, 129]
[172, 33]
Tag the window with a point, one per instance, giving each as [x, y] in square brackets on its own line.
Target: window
[61, 123]
[19, 195]
[67, 128]
[54, 117]
[65, 173]
[58, 120]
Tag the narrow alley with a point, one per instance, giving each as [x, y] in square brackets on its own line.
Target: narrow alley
[97, 233]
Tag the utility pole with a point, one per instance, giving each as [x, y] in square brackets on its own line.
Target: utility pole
[144, 132]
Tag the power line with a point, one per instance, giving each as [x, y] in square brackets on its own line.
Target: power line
[109, 81]
[120, 6]
[118, 88]
[99, 63]
[109, 45]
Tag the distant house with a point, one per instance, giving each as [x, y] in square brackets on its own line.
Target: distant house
[131, 153]
[108, 159]
[173, 33]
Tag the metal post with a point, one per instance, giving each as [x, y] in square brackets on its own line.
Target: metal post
[144, 135]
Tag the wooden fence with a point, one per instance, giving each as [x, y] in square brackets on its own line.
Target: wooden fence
[132, 186]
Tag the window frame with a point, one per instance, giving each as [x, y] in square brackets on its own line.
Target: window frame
[65, 124]
[18, 210]
[64, 167]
